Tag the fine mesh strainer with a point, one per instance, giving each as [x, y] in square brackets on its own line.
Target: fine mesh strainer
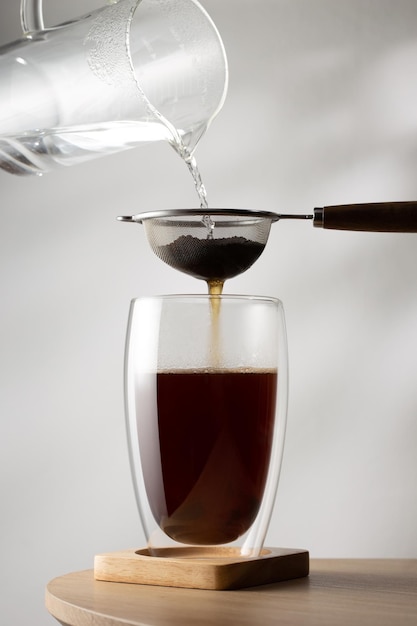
[210, 244]
[217, 244]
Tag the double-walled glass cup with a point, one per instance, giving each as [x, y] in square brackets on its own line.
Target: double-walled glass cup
[206, 403]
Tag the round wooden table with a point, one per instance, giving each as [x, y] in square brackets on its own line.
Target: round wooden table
[338, 592]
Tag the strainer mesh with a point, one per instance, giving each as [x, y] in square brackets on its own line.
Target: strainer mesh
[227, 249]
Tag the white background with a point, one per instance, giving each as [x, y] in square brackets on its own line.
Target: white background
[322, 109]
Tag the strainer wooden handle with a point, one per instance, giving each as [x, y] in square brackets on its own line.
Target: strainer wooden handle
[400, 217]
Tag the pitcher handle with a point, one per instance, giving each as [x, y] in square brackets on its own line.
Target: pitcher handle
[31, 16]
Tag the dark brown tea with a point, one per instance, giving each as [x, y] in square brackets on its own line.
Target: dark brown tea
[209, 460]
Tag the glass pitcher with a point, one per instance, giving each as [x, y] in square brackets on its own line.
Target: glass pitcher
[132, 72]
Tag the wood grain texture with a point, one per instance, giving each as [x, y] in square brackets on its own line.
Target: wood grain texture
[375, 592]
[391, 217]
[204, 568]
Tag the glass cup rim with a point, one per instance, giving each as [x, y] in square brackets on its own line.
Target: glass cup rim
[206, 297]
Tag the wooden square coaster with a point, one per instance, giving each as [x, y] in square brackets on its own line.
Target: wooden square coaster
[205, 568]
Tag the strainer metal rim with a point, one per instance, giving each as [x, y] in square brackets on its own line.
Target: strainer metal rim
[139, 218]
